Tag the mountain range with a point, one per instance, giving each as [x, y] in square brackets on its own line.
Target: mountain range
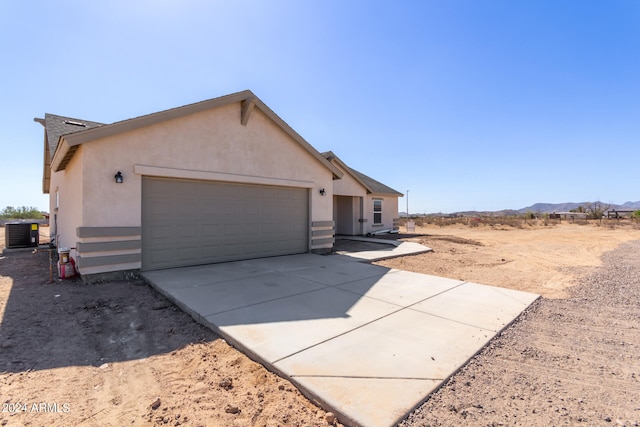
[547, 208]
[566, 207]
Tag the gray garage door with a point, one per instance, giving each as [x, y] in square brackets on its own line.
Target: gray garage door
[188, 222]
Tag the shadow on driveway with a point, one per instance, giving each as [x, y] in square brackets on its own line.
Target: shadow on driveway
[255, 290]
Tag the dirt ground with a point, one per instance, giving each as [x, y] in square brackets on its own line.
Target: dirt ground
[546, 260]
[572, 358]
[120, 354]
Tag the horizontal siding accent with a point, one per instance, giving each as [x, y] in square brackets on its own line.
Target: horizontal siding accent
[329, 241]
[106, 250]
[108, 231]
[322, 233]
[84, 262]
[319, 233]
[315, 224]
[120, 245]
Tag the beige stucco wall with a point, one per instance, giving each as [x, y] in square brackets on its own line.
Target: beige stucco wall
[68, 214]
[210, 145]
[389, 212]
[210, 141]
[347, 185]
[346, 214]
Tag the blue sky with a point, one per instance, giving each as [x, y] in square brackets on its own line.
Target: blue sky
[469, 104]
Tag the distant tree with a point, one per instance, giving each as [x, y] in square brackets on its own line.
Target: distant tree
[596, 210]
[636, 214]
[22, 212]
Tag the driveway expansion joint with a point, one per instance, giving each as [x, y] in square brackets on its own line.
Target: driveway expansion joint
[369, 348]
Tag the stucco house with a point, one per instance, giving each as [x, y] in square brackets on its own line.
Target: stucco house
[361, 205]
[220, 180]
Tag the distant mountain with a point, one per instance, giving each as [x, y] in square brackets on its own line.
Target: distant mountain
[543, 208]
[630, 205]
[566, 207]
[552, 207]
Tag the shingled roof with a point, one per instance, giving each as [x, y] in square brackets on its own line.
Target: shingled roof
[376, 186]
[372, 186]
[56, 126]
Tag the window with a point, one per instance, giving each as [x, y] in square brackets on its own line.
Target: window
[377, 211]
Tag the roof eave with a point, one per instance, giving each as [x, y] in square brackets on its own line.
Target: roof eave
[388, 194]
[247, 97]
[46, 161]
[153, 118]
[340, 163]
[64, 153]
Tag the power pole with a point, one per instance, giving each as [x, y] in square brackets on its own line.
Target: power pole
[407, 205]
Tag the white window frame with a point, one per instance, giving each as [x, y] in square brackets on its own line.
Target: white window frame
[377, 210]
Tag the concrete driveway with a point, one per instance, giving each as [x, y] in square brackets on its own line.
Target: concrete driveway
[367, 342]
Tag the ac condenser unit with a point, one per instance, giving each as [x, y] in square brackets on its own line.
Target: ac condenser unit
[21, 235]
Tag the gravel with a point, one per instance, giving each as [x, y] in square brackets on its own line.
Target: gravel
[617, 282]
[573, 361]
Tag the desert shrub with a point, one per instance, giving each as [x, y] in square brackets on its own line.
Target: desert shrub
[474, 222]
[635, 219]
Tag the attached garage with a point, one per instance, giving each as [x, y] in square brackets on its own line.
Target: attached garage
[220, 180]
[188, 222]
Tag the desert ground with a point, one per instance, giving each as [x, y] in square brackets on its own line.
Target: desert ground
[120, 354]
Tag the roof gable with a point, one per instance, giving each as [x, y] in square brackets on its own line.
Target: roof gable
[371, 185]
[57, 126]
[67, 143]
[54, 128]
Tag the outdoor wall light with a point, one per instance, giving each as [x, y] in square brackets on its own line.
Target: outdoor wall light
[119, 178]
[322, 192]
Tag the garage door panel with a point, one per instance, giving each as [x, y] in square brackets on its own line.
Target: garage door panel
[165, 209]
[212, 209]
[233, 207]
[195, 222]
[162, 256]
[297, 228]
[188, 253]
[250, 228]
[186, 231]
[209, 230]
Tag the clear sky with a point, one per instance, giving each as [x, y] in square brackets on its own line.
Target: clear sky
[469, 104]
